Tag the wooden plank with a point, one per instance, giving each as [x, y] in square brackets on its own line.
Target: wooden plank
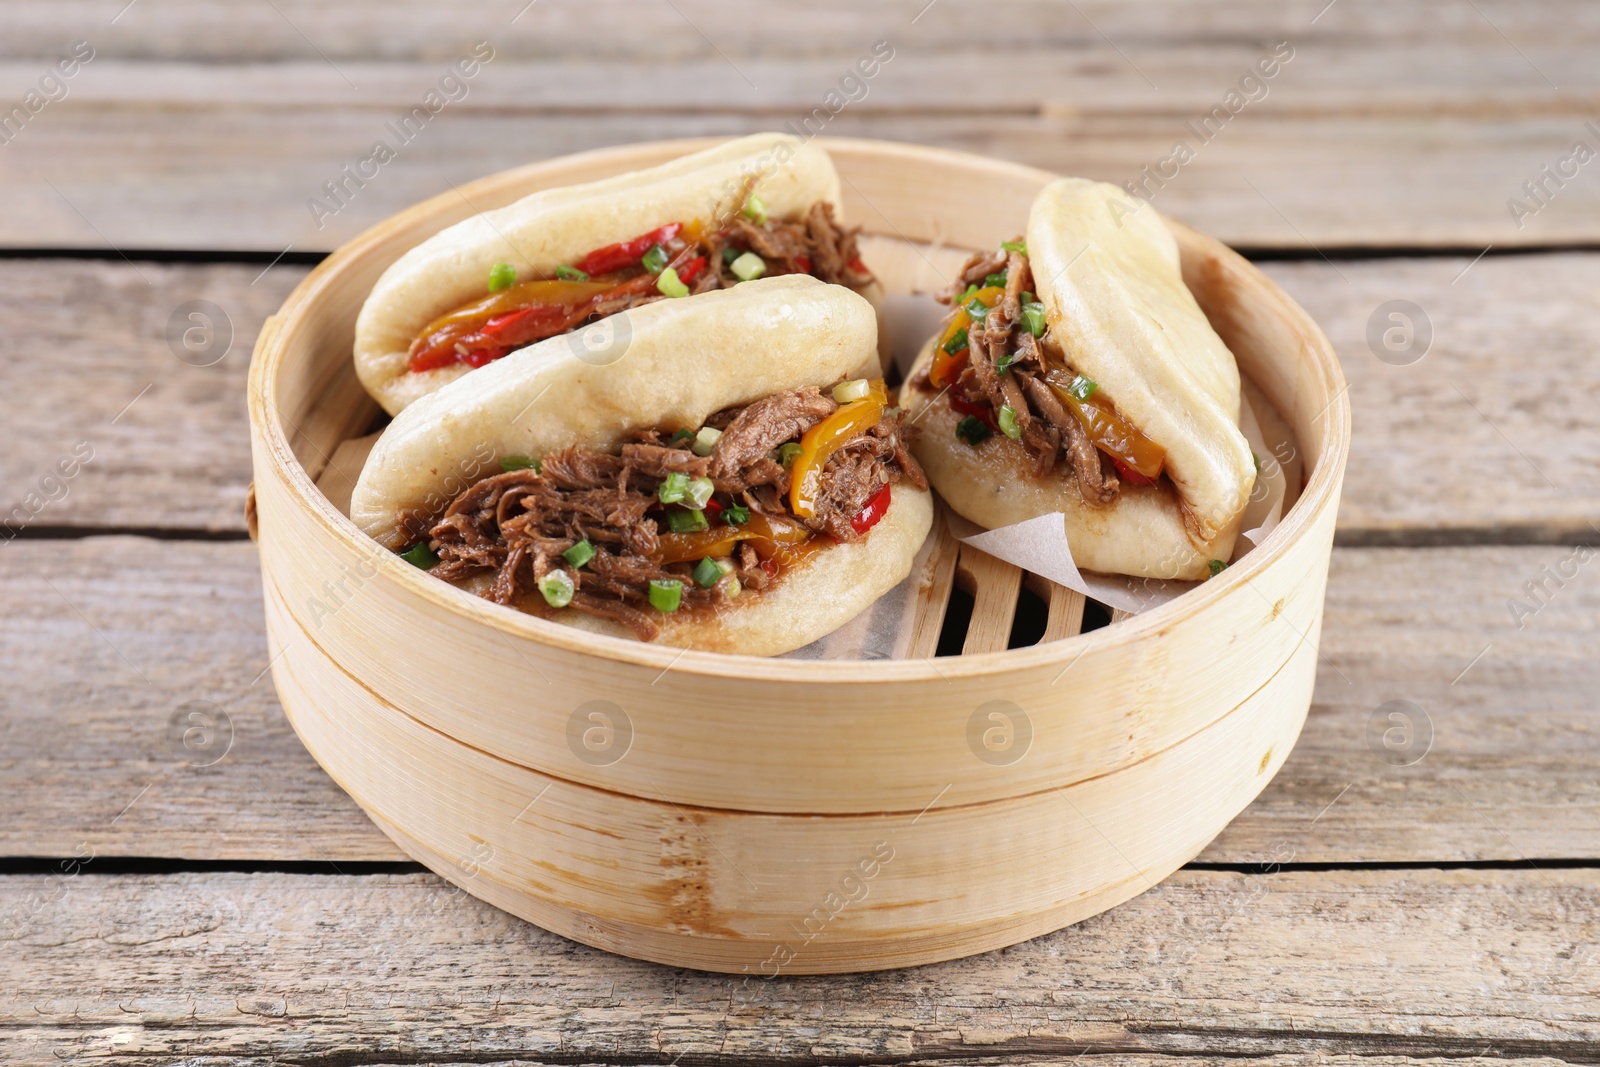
[1483, 412]
[1063, 608]
[1359, 73]
[1326, 153]
[110, 636]
[935, 598]
[1452, 447]
[138, 969]
[86, 369]
[993, 585]
[110, 646]
[689, 30]
[1493, 692]
[101, 177]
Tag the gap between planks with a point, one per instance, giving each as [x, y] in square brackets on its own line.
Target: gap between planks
[994, 586]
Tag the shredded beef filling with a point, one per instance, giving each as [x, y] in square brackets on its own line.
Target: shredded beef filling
[814, 244]
[1005, 368]
[517, 525]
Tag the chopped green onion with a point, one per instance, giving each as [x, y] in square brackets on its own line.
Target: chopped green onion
[1082, 388]
[571, 274]
[680, 435]
[708, 572]
[972, 430]
[733, 588]
[669, 284]
[978, 310]
[1003, 364]
[1015, 246]
[698, 493]
[673, 488]
[655, 260]
[748, 267]
[957, 342]
[787, 453]
[1257, 460]
[557, 587]
[971, 289]
[520, 463]
[579, 554]
[502, 276]
[1028, 298]
[735, 514]
[1008, 423]
[666, 594]
[850, 391]
[420, 555]
[682, 520]
[705, 440]
[997, 281]
[1217, 567]
[729, 254]
[1033, 316]
[756, 209]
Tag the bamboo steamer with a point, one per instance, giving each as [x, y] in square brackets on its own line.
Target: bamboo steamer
[783, 816]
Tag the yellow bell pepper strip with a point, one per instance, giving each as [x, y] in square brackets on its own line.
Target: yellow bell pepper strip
[950, 355]
[721, 540]
[776, 556]
[1108, 430]
[825, 438]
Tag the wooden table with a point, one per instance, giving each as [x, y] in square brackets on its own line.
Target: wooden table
[1433, 897]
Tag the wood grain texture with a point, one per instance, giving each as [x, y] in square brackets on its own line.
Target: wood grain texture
[1501, 702]
[1498, 408]
[993, 585]
[1512, 772]
[402, 968]
[1065, 613]
[85, 361]
[939, 581]
[105, 641]
[415, 30]
[1358, 73]
[1269, 181]
[266, 109]
[1511, 336]
[1395, 124]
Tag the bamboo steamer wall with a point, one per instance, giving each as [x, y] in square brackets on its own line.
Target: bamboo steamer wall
[750, 789]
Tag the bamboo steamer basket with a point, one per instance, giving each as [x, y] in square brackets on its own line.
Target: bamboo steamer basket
[783, 816]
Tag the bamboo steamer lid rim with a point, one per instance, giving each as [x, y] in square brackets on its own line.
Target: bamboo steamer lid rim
[280, 332]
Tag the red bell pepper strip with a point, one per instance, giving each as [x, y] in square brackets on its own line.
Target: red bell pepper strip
[691, 270]
[513, 323]
[531, 324]
[482, 357]
[876, 508]
[626, 253]
[1128, 474]
[500, 322]
[982, 412]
